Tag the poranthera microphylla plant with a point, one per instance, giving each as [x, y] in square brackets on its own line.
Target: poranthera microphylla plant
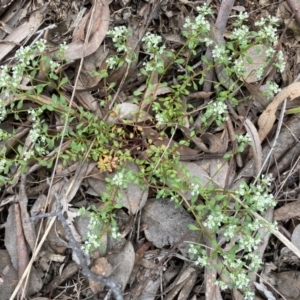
[225, 220]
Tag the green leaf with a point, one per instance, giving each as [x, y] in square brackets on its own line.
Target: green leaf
[230, 46]
[179, 61]
[205, 60]
[193, 227]
[293, 111]
[63, 81]
[195, 86]
[227, 156]
[137, 93]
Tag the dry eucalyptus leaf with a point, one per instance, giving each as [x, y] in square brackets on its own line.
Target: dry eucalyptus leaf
[9, 276]
[218, 171]
[288, 284]
[133, 197]
[268, 117]
[195, 170]
[264, 289]
[122, 264]
[166, 224]
[20, 33]
[151, 288]
[255, 57]
[127, 111]
[288, 211]
[101, 267]
[207, 143]
[255, 143]
[70, 270]
[98, 17]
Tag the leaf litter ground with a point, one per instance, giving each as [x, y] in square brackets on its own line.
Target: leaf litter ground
[150, 259]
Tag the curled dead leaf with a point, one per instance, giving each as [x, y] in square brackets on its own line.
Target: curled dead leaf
[267, 118]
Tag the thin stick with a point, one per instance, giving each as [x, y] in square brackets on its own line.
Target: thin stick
[279, 125]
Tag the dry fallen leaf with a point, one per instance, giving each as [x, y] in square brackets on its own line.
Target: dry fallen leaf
[257, 58]
[167, 224]
[122, 264]
[99, 18]
[133, 197]
[267, 118]
[26, 29]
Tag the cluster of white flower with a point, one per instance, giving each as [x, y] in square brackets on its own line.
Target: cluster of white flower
[223, 286]
[152, 42]
[35, 133]
[249, 243]
[195, 189]
[160, 118]
[2, 164]
[234, 263]
[242, 16]
[270, 52]
[248, 294]
[255, 225]
[119, 36]
[119, 179]
[241, 34]
[260, 71]
[221, 54]
[92, 242]
[243, 139]
[112, 61]
[41, 45]
[3, 111]
[239, 67]
[214, 220]
[216, 110]
[201, 261]
[241, 280]
[257, 196]
[28, 154]
[192, 249]
[115, 232]
[263, 200]
[62, 47]
[255, 260]
[152, 45]
[200, 26]
[273, 87]
[279, 63]
[25, 55]
[268, 32]
[153, 64]
[230, 231]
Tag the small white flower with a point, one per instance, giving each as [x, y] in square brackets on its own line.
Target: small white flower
[160, 119]
[243, 16]
[243, 139]
[260, 72]
[28, 155]
[41, 45]
[219, 51]
[223, 286]
[3, 112]
[273, 87]
[118, 179]
[63, 47]
[195, 189]
[112, 61]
